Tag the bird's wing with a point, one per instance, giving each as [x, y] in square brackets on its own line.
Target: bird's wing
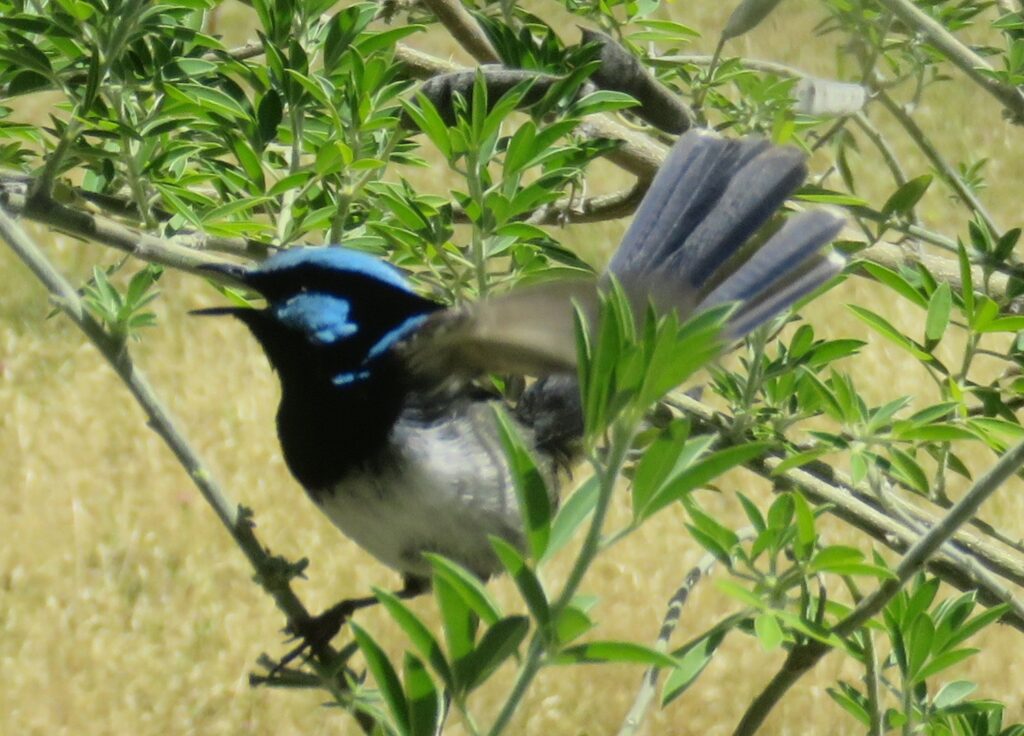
[527, 331]
[683, 251]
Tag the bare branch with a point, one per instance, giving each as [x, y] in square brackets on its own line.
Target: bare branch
[975, 67]
[945, 169]
[802, 658]
[464, 29]
[129, 240]
[270, 572]
[821, 484]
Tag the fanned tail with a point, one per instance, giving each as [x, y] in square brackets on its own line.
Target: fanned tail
[691, 245]
[684, 249]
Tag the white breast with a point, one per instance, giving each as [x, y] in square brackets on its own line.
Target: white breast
[443, 487]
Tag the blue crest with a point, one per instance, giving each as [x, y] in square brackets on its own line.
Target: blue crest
[334, 258]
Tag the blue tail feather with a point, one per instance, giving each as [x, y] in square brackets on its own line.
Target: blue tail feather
[709, 198]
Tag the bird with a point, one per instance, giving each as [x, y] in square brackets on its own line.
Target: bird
[379, 418]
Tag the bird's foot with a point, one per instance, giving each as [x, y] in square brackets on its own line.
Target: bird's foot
[316, 632]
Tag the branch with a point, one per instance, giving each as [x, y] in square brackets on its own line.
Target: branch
[950, 174]
[648, 687]
[271, 572]
[592, 209]
[129, 240]
[464, 29]
[802, 658]
[975, 67]
[819, 483]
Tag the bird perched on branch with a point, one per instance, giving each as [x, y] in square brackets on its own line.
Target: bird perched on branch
[404, 467]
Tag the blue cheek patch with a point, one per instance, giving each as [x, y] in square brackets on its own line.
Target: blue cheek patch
[379, 348]
[349, 377]
[321, 317]
[392, 336]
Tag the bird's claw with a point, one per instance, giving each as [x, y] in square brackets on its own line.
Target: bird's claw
[315, 633]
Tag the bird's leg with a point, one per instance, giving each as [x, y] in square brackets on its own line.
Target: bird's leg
[317, 631]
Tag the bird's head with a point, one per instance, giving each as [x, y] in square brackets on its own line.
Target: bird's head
[331, 313]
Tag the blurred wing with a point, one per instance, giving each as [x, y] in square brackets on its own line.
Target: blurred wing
[528, 331]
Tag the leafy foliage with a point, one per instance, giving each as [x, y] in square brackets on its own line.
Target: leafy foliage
[309, 136]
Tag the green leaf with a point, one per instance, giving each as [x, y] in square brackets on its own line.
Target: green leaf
[660, 458]
[498, 643]
[769, 633]
[884, 328]
[939, 432]
[800, 458]
[701, 473]
[459, 621]
[881, 417]
[690, 664]
[835, 556]
[753, 513]
[896, 282]
[953, 693]
[269, 113]
[615, 651]
[250, 162]
[371, 43]
[919, 643]
[602, 101]
[970, 628]
[528, 584]
[423, 698]
[572, 514]
[939, 307]
[805, 534]
[1003, 324]
[422, 640]
[429, 121]
[904, 199]
[909, 471]
[942, 662]
[740, 593]
[385, 675]
[289, 182]
[535, 503]
[209, 99]
[467, 585]
[850, 705]
[572, 623]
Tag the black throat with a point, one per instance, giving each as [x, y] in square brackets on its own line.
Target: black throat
[327, 430]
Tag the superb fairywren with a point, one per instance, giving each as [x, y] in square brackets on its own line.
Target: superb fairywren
[405, 458]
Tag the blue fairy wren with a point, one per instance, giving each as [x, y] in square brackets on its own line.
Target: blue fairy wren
[403, 467]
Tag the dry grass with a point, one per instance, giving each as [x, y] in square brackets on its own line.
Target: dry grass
[124, 608]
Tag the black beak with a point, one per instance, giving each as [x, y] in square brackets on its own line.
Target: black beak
[230, 273]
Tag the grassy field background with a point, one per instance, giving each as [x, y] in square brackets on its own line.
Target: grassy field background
[125, 608]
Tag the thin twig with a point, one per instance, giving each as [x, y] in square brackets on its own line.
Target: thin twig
[804, 657]
[975, 67]
[464, 29]
[270, 570]
[944, 168]
[820, 484]
[673, 613]
[135, 242]
[888, 154]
